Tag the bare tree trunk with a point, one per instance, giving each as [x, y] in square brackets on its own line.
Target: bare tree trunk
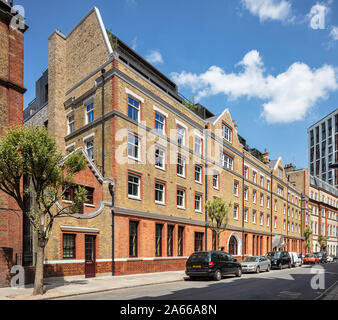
[218, 241]
[38, 283]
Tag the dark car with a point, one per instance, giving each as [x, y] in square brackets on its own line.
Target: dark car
[279, 259]
[322, 256]
[212, 264]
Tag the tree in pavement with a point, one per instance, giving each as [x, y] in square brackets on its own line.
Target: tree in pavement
[322, 240]
[218, 213]
[32, 153]
[307, 238]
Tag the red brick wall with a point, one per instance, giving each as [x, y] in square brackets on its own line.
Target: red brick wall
[6, 255]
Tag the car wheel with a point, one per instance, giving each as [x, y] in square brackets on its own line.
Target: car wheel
[239, 272]
[268, 269]
[290, 265]
[218, 275]
[258, 270]
[280, 266]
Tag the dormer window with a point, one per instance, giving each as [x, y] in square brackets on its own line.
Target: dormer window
[227, 133]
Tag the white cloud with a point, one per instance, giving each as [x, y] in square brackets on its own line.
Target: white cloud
[134, 43]
[317, 16]
[154, 57]
[334, 33]
[269, 9]
[289, 96]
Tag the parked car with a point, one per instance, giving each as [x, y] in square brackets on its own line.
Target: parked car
[295, 260]
[310, 258]
[256, 264]
[212, 264]
[335, 258]
[300, 256]
[329, 258]
[279, 259]
[321, 256]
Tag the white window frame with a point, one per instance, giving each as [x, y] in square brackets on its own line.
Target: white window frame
[216, 174]
[183, 198]
[236, 212]
[254, 213]
[130, 196]
[164, 158]
[138, 146]
[200, 173]
[246, 215]
[70, 124]
[163, 191]
[236, 188]
[183, 165]
[199, 210]
[158, 121]
[90, 140]
[227, 162]
[87, 113]
[227, 133]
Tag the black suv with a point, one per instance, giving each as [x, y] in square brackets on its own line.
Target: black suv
[213, 264]
[279, 259]
[322, 256]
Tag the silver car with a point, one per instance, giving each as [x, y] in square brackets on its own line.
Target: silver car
[255, 264]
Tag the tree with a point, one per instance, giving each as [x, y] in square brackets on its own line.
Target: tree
[322, 240]
[32, 153]
[218, 211]
[190, 104]
[307, 236]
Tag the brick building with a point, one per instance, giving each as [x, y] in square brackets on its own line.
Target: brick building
[11, 106]
[166, 161]
[321, 206]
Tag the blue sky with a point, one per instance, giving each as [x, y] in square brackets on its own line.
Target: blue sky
[271, 62]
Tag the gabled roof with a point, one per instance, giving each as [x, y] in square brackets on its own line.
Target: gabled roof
[274, 163]
[216, 118]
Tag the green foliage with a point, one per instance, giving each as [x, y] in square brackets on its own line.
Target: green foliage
[33, 153]
[307, 238]
[113, 40]
[190, 104]
[322, 240]
[218, 211]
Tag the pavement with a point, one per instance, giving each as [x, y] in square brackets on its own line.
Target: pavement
[331, 293]
[62, 288]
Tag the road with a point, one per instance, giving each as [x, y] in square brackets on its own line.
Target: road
[286, 284]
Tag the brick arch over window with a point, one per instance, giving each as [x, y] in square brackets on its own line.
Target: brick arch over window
[234, 244]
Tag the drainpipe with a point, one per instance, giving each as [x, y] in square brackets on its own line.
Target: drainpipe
[103, 121]
[111, 190]
[206, 188]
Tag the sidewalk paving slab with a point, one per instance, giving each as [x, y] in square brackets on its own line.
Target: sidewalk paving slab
[62, 288]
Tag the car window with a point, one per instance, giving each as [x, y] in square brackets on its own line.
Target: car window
[199, 257]
[226, 257]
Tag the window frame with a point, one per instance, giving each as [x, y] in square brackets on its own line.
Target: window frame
[90, 113]
[139, 176]
[73, 248]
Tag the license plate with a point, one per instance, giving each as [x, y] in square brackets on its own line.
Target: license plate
[197, 267]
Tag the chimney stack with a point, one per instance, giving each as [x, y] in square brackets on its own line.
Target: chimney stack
[266, 157]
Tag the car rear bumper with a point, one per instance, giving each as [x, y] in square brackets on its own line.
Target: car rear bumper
[200, 273]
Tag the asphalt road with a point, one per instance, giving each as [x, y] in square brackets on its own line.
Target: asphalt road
[286, 284]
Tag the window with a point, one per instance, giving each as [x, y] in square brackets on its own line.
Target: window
[90, 195]
[268, 220]
[246, 172]
[254, 196]
[90, 113]
[276, 205]
[288, 211]
[254, 216]
[284, 210]
[262, 181]
[159, 123]
[246, 214]
[180, 198]
[68, 246]
[236, 212]
[215, 181]
[198, 145]
[262, 200]
[246, 193]
[134, 183]
[159, 193]
[254, 176]
[90, 149]
[280, 191]
[227, 133]
[133, 146]
[275, 223]
[180, 136]
[133, 239]
[236, 188]
[159, 158]
[133, 109]
[198, 202]
[261, 219]
[268, 184]
[180, 166]
[180, 241]
[268, 202]
[198, 241]
[71, 124]
[280, 172]
[158, 240]
[227, 162]
[198, 174]
[170, 241]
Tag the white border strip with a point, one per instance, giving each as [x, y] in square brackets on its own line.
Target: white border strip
[103, 30]
[133, 94]
[160, 111]
[71, 146]
[181, 124]
[92, 135]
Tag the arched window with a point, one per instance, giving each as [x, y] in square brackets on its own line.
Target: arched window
[233, 247]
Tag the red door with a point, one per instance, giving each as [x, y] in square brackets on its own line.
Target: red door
[90, 256]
